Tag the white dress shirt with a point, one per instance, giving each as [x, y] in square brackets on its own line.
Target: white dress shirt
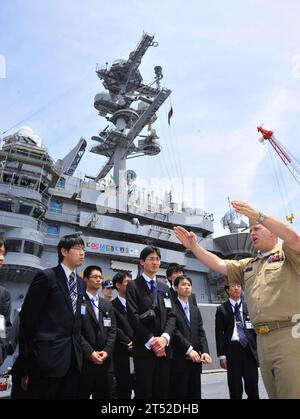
[235, 336]
[184, 304]
[94, 299]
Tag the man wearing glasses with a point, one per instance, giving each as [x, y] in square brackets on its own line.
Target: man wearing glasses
[50, 326]
[99, 333]
[236, 344]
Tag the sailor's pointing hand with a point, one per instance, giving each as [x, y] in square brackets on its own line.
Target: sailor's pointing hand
[187, 238]
[245, 209]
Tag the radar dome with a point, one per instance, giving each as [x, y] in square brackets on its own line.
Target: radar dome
[102, 96]
[119, 62]
[25, 131]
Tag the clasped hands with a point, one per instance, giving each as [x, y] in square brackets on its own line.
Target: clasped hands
[158, 344]
[98, 357]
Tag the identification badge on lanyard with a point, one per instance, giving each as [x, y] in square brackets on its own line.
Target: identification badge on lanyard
[83, 309]
[107, 322]
[248, 324]
[167, 302]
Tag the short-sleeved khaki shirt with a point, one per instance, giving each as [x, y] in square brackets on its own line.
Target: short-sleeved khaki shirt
[271, 284]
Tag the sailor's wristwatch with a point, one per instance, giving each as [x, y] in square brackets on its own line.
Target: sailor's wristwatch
[261, 217]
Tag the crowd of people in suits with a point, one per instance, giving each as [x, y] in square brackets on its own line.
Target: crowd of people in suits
[148, 342]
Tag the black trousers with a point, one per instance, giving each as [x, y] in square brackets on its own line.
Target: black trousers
[123, 376]
[65, 387]
[152, 377]
[185, 382]
[241, 366]
[96, 382]
[54, 388]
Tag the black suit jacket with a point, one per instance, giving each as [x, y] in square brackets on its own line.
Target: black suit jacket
[49, 331]
[187, 335]
[124, 329]
[139, 299]
[96, 337]
[225, 326]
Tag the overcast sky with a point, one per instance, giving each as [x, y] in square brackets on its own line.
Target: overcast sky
[230, 65]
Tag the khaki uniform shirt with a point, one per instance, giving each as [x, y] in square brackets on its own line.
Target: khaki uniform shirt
[271, 284]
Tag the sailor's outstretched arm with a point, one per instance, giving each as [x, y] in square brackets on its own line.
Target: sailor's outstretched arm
[280, 229]
[189, 240]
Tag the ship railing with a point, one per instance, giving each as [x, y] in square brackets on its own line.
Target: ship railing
[24, 192]
[22, 221]
[94, 186]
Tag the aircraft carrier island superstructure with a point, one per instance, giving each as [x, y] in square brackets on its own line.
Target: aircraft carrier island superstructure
[42, 200]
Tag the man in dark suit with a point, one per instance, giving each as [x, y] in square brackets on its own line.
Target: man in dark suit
[122, 356]
[189, 345]
[236, 345]
[5, 309]
[98, 339]
[173, 271]
[50, 325]
[153, 320]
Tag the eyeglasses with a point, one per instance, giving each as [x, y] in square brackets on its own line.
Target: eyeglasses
[78, 248]
[235, 286]
[96, 277]
[153, 259]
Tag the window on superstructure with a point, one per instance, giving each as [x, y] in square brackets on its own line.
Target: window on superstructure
[5, 206]
[38, 212]
[55, 205]
[33, 248]
[14, 245]
[25, 209]
[53, 230]
[61, 183]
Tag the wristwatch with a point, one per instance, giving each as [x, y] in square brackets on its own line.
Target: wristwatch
[261, 217]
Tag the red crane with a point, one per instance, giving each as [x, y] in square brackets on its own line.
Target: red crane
[285, 156]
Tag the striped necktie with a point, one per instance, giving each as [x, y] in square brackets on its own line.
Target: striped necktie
[73, 290]
[239, 325]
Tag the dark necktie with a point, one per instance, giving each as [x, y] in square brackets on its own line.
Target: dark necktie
[239, 326]
[187, 314]
[73, 290]
[152, 286]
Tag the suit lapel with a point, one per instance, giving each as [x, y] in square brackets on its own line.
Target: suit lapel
[229, 311]
[142, 286]
[193, 314]
[245, 311]
[62, 282]
[119, 306]
[182, 313]
[91, 310]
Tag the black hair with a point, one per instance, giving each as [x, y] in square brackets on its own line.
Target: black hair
[174, 267]
[3, 244]
[180, 278]
[120, 276]
[148, 250]
[67, 242]
[89, 269]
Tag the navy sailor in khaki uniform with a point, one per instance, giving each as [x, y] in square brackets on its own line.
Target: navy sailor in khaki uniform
[272, 288]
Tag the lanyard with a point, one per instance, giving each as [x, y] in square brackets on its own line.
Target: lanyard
[98, 307]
